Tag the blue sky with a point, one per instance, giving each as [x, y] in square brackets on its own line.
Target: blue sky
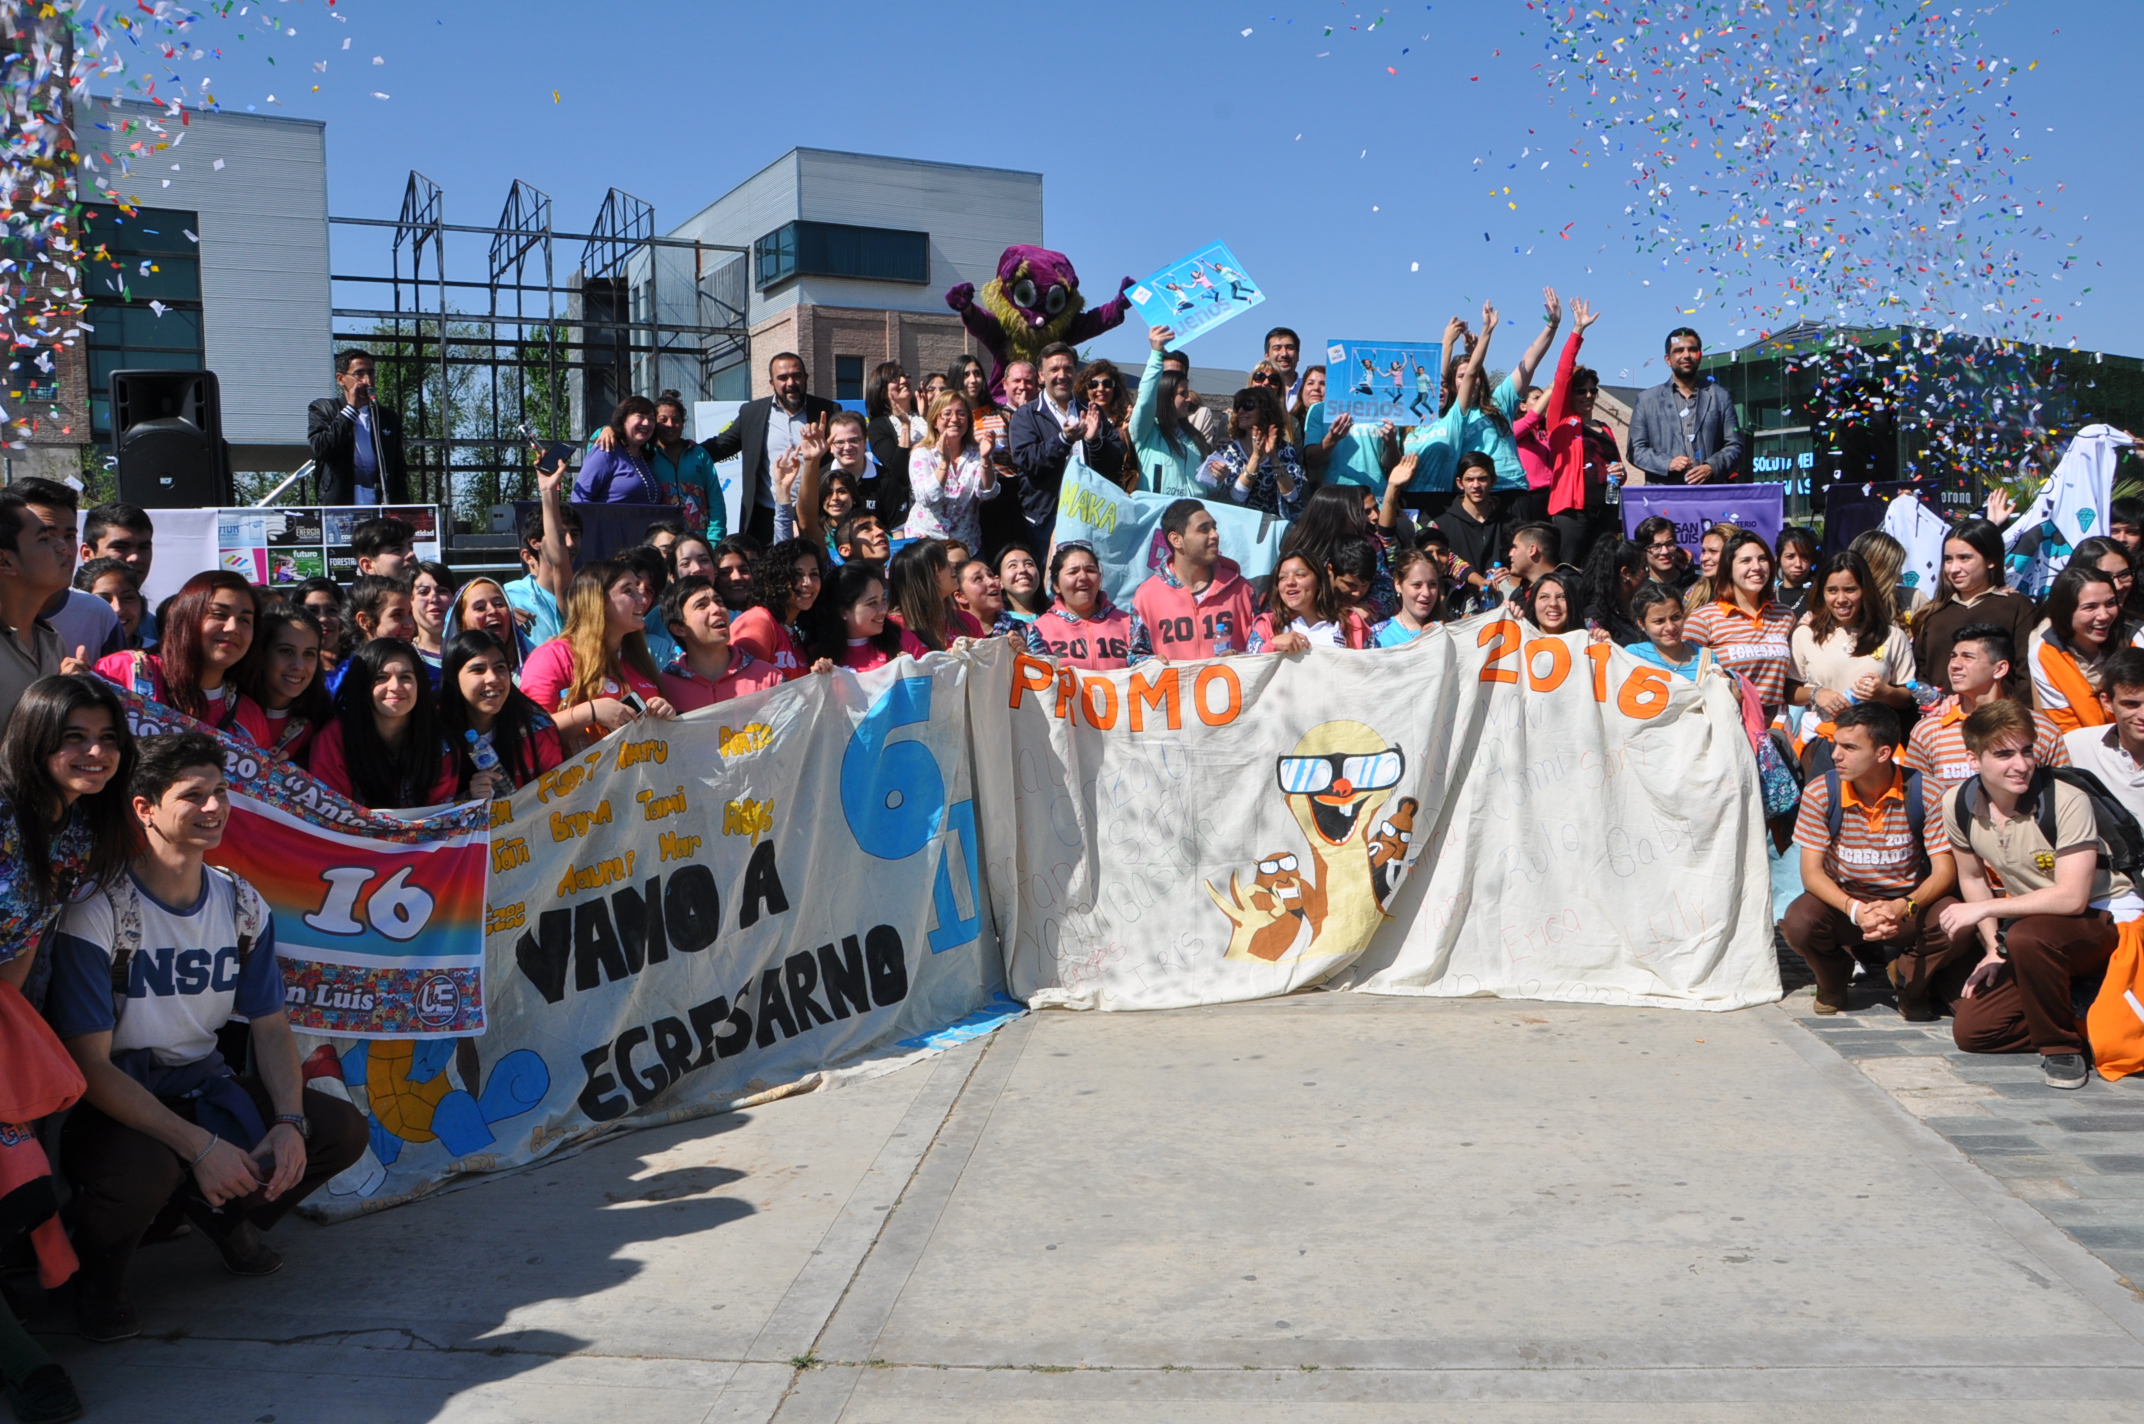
[1351, 193]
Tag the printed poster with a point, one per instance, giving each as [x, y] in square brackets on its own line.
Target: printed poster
[1125, 530]
[282, 547]
[1194, 294]
[1695, 508]
[1376, 381]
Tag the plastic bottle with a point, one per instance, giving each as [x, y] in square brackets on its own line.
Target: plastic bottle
[480, 751]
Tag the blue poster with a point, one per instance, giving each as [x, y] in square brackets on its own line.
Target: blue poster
[1125, 530]
[1383, 380]
[1196, 293]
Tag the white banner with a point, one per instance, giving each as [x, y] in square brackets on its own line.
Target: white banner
[1484, 811]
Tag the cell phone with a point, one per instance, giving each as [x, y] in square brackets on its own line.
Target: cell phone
[632, 699]
[557, 453]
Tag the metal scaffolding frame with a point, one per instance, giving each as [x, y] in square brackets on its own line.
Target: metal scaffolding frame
[478, 366]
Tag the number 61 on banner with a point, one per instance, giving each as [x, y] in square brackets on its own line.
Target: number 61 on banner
[1547, 661]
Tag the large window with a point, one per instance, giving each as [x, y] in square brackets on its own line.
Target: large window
[817, 249]
[849, 378]
[143, 282]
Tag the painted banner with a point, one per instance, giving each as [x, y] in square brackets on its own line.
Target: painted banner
[1695, 508]
[1374, 381]
[378, 917]
[1195, 294]
[1920, 531]
[694, 913]
[1483, 811]
[1125, 530]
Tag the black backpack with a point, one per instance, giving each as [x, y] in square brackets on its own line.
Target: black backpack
[2117, 827]
[1916, 812]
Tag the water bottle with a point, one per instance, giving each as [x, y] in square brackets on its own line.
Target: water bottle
[480, 751]
[1926, 695]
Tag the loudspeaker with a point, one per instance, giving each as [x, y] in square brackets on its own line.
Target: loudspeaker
[167, 431]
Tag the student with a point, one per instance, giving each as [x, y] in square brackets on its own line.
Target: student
[386, 547]
[977, 593]
[1161, 438]
[1021, 579]
[2060, 903]
[1475, 524]
[1332, 515]
[86, 625]
[597, 676]
[850, 461]
[1703, 582]
[1551, 603]
[384, 749]
[65, 759]
[1797, 563]
[1421, 589]
[789, 580]
[550, 544]
[1744, 626]
[1302, 612]
[2111, 557]
[708, 668]
[2082, 628]
[1849, 651]
[162, 1110]
[861, 539]
[737, 571]
[286, 682]
[1981, 656]
[1463, 587]
[2113, 753]
[654, 575]
[2125, 523]
[1971, 592]
[481, 606]
[662, 535]
[1655, 535]
[323, 598]
[113, 581]
[1352, 568]
[850, 628]
[1535, 550]
[484, 717]
[919, 581]
[204, 659]
[126, 533]
[1886, 558]
[684, 473]
[431, 603]
[1082, 627]
[1876, 877]
[1614, 571]
[692, 554]
[1657, 609]
[381, 606]
[1198, 604]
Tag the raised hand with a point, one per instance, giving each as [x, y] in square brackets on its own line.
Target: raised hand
[1159, 337]
[1583, 313]
[1551, 307]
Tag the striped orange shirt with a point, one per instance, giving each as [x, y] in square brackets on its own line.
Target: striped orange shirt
[1875, 854]
[1936, 749]
[1760, 648]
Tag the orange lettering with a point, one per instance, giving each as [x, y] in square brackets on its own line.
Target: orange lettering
[1226, 676]
[1159, 694]
[1104, 716]
[1029, 675]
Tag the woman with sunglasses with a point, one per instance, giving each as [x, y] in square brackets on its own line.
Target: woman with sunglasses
[1100, 385]
[1256, 466]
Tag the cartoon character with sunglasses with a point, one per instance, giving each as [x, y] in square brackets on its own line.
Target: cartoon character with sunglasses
[1335, 781]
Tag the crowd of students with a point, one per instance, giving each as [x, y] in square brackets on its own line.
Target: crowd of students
[926, 521]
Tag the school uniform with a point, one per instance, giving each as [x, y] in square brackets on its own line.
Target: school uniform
[1936, 747]
[1185, 626]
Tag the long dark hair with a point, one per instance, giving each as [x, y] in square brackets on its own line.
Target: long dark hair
[1332, 513]
[1983, 539]
[513, 731]
[827, 624]
[1872, 624]
[344, 625]
[33, 738]
[884, 374]
[181, 650]
[314, 704]
[1600, 600]
[1166, 419]
[387, 778]
[774, 580]
[912, 582]
[2062, 604]
[1323, 601]
[1570, 583]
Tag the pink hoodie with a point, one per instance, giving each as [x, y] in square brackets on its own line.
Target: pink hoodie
[1185, 628]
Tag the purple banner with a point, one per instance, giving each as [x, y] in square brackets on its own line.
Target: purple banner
[1695, 508]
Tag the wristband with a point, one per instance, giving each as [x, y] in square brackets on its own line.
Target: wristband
[212, 1141]
[1853, 913]
[1912, 908]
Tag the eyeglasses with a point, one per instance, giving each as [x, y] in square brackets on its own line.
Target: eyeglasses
[1276, 865]
[1341, 774]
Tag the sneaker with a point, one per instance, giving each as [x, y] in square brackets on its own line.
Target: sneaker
[45, 1396]
[2063, 1070]
[103, 1317]
[1830, 1003]
[245, 1254]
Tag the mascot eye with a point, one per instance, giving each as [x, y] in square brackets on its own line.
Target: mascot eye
[1023, 293]
[1054, 302]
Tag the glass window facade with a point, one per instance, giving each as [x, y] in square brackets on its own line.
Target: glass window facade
[817, 249]
[848, 378]
[134, 261]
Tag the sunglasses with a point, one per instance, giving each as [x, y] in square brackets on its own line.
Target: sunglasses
[1340, 773]
[1102, 383]
[1265, 380]
[1276, 865]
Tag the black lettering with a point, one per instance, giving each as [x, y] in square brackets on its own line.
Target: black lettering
[597, 1099]
[543, 957]
[703, 1018]
[803, 977]
[692, 909]
[673, 1044]
[888, 965]
[762, 886]
[622, 1054]
[640, 923]
[594, 943]
[1079, 647]
[844, 976]
[732, 1044]
[773, 1009]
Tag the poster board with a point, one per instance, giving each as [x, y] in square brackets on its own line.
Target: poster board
[1374, 381]
[281, 547]
[1194, 294]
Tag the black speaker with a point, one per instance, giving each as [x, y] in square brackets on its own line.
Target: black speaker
[167, 431]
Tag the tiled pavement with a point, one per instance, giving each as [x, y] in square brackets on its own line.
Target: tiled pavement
[2077, 1156]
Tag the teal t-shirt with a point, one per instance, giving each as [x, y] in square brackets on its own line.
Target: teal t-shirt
[1357, 456]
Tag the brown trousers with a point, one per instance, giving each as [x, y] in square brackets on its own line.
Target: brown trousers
[2028, 1006]
[122, 1178]
[1929, 965]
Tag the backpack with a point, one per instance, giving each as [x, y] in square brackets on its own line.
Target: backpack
[126, 929]
[2117, 829]
[1916, 813]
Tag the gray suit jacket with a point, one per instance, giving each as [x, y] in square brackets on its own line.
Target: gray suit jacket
[1656, 431]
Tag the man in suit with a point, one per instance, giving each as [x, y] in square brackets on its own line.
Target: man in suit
[1683, 430]
[764, 431]
[356, 441]
[1043, 433]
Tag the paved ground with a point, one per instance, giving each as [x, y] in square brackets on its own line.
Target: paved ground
[1330, 1207]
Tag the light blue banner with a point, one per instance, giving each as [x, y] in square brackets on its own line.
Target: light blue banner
[1383, 380]
[1194, 294]
[1125, 530]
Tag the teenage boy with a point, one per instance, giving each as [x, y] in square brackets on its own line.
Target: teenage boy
[550, 542]
[861, 538]
[2115, 753]
[1980, 659]
[849, 451]
[124, 532]
[86, 624]
[1475, 523]
[386, 547]
[34, 565]
[707, 669]
[144, 976]
[1876, 871]
[1199, 605]
[2059, 900]
[1535, 550]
